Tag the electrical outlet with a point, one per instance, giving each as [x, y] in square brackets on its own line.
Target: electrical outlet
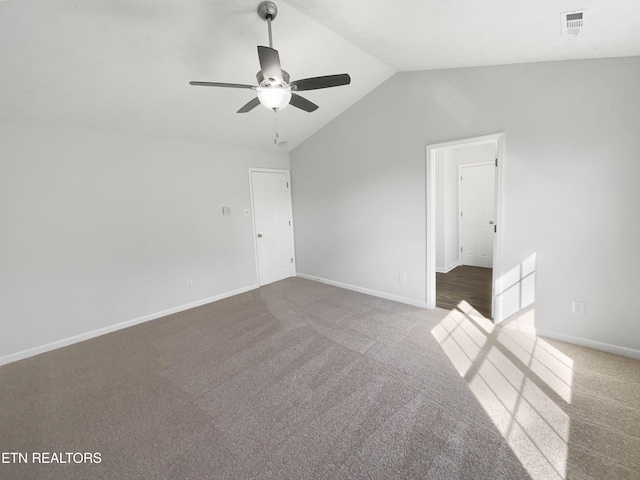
[577, 307]
[402, 277]
[189, 283]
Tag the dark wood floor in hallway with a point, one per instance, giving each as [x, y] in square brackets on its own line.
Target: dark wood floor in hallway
[464, 282]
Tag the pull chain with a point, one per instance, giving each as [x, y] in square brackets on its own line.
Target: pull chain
[275, 126]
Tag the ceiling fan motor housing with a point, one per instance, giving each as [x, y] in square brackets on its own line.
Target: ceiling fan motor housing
[263, 82]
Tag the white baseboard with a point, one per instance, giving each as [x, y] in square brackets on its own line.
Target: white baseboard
[447, 269]
[14, 357]
[375, 293]
[585, 342]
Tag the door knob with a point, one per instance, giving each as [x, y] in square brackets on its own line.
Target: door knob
[259, 235]
[490, 222]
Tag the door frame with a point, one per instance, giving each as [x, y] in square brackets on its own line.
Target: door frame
[253, 217]
[499, 140]
[460, 218]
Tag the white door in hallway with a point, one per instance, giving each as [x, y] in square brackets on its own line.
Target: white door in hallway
[272, 219]
[477, 190]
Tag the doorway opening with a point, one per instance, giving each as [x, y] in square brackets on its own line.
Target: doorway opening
[464, 213]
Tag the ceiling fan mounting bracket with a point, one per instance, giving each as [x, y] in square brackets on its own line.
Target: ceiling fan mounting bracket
[267, 11]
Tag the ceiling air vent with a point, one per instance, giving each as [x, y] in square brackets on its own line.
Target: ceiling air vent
[572, 22]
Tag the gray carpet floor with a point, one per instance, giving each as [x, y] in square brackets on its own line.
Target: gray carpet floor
[301, 380]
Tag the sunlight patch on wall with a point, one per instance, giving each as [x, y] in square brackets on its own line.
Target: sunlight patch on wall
[516, 289]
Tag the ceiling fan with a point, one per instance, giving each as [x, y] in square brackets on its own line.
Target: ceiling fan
[274, 89]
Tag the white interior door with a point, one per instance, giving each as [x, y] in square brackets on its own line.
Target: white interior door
[477, 190]
[273, 225]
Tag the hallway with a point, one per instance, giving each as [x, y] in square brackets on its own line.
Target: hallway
[472, 284]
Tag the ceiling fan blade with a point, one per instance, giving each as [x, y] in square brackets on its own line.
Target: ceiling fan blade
[316, 83]
[302, 103]
[270, 64]
[250, 106]
[218, 84]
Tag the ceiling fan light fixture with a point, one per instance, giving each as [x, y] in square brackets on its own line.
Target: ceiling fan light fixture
[274, 97]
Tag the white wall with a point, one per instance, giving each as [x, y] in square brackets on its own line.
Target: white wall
[441, 203]
[474, 154]
[100, 228]
[452, 240]
[447, 241]
[571, 196]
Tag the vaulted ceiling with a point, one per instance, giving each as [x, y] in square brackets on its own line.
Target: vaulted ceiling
[126, 64]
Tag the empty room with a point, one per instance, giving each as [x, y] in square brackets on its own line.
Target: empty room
[319, 240]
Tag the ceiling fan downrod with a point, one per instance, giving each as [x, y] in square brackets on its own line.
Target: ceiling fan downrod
[268, 11]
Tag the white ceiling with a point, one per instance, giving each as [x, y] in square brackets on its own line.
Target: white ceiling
[126, 64]
[432, 34]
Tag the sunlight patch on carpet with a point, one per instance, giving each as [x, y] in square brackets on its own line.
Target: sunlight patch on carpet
[520, 381]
